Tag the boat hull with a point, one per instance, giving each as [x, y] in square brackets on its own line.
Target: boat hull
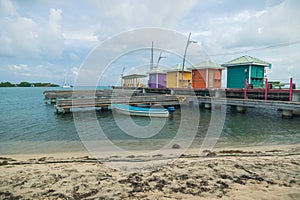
[136, 111]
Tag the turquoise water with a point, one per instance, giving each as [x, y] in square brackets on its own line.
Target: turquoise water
[28, 125]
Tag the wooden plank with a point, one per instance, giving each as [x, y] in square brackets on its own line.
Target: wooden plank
[99, 102]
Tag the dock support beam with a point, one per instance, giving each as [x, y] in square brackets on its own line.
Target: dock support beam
[296, 98]
[207, 106]
[53, 101]
[287, 114]
[104, 108]
[266, 89]
[218, 94]
[291, 89]
[241, 109]
[245, 88]
[66, 110]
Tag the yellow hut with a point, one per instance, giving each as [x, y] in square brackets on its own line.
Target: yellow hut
[175, 79]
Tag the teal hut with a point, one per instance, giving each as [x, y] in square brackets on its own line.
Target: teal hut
[245, 67]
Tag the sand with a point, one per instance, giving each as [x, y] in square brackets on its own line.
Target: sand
[269, 172]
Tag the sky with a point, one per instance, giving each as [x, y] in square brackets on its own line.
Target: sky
[94, 40]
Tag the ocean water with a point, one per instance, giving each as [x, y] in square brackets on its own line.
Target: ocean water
[28, 125]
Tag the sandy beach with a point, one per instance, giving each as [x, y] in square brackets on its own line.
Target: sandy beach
[269, 172]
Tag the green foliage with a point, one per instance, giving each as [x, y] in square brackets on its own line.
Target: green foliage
[6, 84]
[24, 84]
[27, 84]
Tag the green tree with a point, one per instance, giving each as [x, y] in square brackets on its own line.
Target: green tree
[6, 84]
[24, 84]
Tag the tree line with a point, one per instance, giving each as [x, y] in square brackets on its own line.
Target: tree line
[27, 84]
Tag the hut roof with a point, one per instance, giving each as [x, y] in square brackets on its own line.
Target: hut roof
[132, 76]
[246, 60]
[157, 71]
[178, 68]
[207, 64]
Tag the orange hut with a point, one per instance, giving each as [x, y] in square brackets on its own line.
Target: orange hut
[207, 75]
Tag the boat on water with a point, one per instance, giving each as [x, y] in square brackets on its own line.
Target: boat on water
[66, 86]
[138, 111]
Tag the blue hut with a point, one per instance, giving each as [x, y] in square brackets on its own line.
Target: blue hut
[245, 67]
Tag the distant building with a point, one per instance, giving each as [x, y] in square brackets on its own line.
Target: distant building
[245, 67]
[174, 77]
[157, 78]
[133, 80]
[207, 74]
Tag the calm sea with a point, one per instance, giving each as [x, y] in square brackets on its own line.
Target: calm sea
[28, 125]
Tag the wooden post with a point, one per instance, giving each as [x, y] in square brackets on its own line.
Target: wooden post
[266, 89]
[291, 89]
[245, 88]
[287, 114]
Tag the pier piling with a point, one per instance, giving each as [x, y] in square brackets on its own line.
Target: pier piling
[287, 114]
[207, 106]
[66, 110]
[241, 109]
[104, 108]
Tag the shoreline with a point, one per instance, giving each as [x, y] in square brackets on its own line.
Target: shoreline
[260, 172]
[191, 150]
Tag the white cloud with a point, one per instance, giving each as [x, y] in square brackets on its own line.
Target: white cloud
[74, 57]
[7, 8]
[75, 71]
[54, 19]
[36, 73]
[19, 37]
[119, 16]
[51, 37]
[21, 67]
[24, 37]
[80, 39]
[273, 26]
[237, 18]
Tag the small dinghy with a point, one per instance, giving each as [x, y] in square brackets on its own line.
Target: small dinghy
[137, 111]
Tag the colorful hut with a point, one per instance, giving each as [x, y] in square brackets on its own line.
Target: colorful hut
[133, 80]
[157, 78]
[177, 79]
[207, 75]
[245, 68]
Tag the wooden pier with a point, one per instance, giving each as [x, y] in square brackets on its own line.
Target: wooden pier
[65, 105]
[279, 99]
[54, 95]
[288, 108]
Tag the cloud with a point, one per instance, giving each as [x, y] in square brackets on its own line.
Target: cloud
[75, 71]
[7, 8]
[271, 26]
[19, 37]
[52, 38]
[24, 37]
[74, 57]
[54, 19]
[36, 73]
[119, 16]
[21, 67]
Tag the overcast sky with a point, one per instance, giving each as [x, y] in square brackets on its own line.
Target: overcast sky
[50, 41]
